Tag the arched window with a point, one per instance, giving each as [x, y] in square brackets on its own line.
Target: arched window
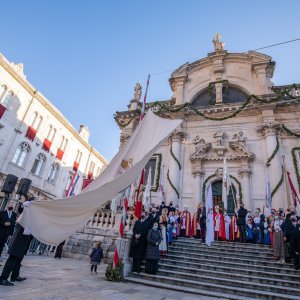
[38, 164]
[21, 154]
[7, 98]
[35, 121]
[3, 89]
[53, 172]
[78, 156]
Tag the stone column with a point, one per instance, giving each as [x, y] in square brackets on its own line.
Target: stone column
[269, 130]
[198, 174]
[175, 169]
[177, 86]
[245, 173]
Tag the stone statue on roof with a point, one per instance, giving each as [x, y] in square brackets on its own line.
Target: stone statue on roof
[219, 46]
[137, 92]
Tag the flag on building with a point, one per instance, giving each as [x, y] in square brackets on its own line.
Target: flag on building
[72, 191]
[138, 203]
[162, 184]
[147, 192]
[293, 193]
[209, 217]
[226, 184]
[268, 197]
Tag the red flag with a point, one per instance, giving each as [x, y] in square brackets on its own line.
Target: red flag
[121, 228]
[138, 205]
[296, 200]
[116, 258]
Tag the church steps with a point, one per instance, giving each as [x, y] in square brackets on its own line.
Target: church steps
[237, 275]
[227, 260]
[224, 251]
[233, 270]
[272, 272]
[226, 290]
[216, 255]
[222, 245]
[242, 283]
[196, 291]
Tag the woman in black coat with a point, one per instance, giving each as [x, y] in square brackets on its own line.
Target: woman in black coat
[152, 251]
[138, 243]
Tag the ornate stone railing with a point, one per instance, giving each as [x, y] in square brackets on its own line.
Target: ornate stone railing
[106, 219]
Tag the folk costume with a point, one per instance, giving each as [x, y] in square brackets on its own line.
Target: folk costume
[219, 224]
[163, 223]
[185, 224]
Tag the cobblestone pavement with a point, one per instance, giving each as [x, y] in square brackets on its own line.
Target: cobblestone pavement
[54, 279]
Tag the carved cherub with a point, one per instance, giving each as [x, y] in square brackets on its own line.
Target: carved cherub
[240, 138]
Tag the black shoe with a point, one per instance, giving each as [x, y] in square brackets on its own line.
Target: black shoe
[19, 278]
[6, 282]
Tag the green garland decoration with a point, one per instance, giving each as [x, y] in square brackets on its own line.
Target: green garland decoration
[115, 274]
[295, 162]
[280, 93]
[172, 185]
[175, 158]
[159, 157]
[234, 178]
[268, 163]
[279, 183]
[204, 186]
[289, 131]
[240, 187]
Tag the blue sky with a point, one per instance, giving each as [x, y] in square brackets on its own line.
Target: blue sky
[85, 56]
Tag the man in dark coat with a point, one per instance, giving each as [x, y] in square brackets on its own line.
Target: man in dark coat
[171, 207]
[138, 243]
[17, 250]
[152, 217]
[241, 222]
[7, 224]
[201, 214]
[297, 247]
[162, 206]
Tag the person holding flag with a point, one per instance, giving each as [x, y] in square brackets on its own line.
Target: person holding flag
[209, 217]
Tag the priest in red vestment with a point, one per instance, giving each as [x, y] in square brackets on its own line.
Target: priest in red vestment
[185, 223]
[219, 224]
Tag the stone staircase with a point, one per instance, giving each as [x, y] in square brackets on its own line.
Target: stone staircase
[224, 271]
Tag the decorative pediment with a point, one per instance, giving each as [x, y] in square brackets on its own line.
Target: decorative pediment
[234, 148]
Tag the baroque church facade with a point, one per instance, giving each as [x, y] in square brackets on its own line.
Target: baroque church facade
[231, 109]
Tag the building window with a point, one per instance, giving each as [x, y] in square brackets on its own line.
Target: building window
[63, 144]
[2, 90]
[38, 164]
[20, 154]
[51, 133]
[98, 171]
[78, 156]
[53, 172]
[35, 121]
[92, 167]
[7, 98]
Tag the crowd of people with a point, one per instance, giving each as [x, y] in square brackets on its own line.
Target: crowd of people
[160, 225]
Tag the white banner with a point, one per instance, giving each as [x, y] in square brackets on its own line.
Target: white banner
[209, 217]
[51, 222]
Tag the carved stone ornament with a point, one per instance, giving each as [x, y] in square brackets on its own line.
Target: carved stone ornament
[177, 135]
[198, 172]
[245, 171]
[235, 148]
[123, 138]
[218, 66]
[268, 128]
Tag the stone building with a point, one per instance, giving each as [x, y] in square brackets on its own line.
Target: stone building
[37, 142]
[230, 109]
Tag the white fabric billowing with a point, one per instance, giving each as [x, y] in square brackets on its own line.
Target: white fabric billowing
[51, 222]
[209, 217]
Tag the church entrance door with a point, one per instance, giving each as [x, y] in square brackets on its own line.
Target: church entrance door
[217, 197]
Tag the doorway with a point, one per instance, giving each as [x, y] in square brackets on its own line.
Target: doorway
[217, 197]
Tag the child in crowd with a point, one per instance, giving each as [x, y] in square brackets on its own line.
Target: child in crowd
[96, 257]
